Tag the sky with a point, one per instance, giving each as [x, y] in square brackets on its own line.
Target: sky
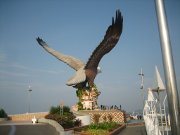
[76, 28]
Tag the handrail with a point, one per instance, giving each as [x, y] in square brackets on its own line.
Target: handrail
[154, 125]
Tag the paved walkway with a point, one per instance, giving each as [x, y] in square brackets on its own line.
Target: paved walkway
[134, 130]
[26, 128]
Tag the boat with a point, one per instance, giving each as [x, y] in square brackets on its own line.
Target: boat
[155, 114]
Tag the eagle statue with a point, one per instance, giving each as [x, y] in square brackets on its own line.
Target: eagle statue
[86, 73]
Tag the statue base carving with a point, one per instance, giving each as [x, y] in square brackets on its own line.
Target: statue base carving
[87, 98]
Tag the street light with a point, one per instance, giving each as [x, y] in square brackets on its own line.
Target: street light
[61, 107]
[142, 84]
[29, 95]
[170, 76]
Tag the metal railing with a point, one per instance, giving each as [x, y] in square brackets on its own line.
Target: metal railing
[155, 118]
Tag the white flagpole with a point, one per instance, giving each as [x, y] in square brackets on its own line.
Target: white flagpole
[170, 78]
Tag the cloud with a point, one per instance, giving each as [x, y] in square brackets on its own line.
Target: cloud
[12, 85]
[8, 73]
[38, 70]
[11, 69]
[17, 66]
[50, 71]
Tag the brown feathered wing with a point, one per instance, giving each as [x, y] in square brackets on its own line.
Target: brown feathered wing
[108, 43]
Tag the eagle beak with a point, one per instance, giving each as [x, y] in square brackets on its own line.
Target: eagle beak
[99, 70]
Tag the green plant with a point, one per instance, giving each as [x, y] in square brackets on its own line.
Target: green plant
[67, 119]
[3, 114]
[80, 106]
[55, 117]
[66, 109]
[79, 93]
[96, 132]
[77, 123]
[103, 125]
[66, 123]
[100, 128]
[56, 110]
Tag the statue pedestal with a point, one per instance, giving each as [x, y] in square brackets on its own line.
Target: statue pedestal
[87, 98]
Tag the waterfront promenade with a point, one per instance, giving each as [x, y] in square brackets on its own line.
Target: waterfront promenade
[134, 130]
[26, 128]
[22, 125]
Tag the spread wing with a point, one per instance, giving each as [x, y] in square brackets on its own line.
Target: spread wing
[79, 77]
[108, 43]
[69, 60]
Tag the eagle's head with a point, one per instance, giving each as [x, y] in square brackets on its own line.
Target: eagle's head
[99, 70]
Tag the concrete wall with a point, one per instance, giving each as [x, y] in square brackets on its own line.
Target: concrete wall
[27, 116]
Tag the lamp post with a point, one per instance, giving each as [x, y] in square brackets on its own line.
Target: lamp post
[29, 96]
[61, 107]
[170, 77]
[142, 84]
